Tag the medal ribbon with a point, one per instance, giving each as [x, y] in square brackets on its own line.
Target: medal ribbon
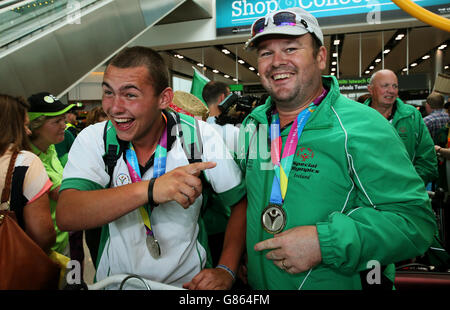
[159, 168]
[282, 167]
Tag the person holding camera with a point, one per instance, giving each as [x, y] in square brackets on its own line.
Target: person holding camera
[214, 93]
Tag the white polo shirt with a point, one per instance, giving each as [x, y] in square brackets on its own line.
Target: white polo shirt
[123, 248]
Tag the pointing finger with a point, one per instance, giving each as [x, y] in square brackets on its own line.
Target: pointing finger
[196, 168]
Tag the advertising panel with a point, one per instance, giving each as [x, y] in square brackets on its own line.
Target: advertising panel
[236, 16]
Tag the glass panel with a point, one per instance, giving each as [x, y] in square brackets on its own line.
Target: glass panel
[21, 18]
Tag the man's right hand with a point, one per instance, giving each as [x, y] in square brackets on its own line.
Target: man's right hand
[182, 184]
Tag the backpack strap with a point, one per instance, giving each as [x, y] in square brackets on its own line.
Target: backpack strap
[190, 137]
[113, 149]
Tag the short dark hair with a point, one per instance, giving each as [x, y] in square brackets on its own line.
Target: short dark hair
[137, 56]
[435, 100]
[213, 90]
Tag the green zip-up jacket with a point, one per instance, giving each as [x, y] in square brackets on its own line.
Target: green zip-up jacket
[409, 124]
[351, 178]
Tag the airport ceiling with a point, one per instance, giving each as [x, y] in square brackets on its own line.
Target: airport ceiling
[422, 41]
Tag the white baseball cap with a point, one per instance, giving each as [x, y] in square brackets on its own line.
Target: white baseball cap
[293, 21]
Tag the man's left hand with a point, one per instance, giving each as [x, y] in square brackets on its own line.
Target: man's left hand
[295, 250]
[210, 279]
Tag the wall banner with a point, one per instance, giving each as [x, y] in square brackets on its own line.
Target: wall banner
[236, 16]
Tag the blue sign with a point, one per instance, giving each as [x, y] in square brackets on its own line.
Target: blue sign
[236, 16]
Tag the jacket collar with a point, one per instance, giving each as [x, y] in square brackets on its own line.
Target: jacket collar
[320, 118]
[401, 110]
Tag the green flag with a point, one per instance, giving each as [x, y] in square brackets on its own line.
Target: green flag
[198, 82]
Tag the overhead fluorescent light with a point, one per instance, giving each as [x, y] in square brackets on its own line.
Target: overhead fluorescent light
[235, 79]
[241, 61]
[371, 67]
[377, 60]
[225, 51]
[200, 64]
[335, 54]
[414, 64]
[442, 46]
[333, 69]
[215, 71]
[336, 42]
[251, 68]
[386, 51]
[226, 76]
[334, 63]
[426, 57]
[405, 69]
[367, 72]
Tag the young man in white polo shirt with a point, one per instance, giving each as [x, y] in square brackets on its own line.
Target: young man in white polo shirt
[151, 227]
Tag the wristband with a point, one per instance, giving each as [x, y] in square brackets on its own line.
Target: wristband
[227, 270]
[151, 202]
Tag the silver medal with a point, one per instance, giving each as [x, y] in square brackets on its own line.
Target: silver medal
[153, 246]
[273, 219]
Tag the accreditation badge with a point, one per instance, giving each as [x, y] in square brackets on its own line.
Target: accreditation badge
[273, 219]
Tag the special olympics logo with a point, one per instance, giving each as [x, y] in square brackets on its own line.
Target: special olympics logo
[305, 153]
[122, 179]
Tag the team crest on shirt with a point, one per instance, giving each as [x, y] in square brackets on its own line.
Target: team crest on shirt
[305, 153]
[122, 179]
[305, 166]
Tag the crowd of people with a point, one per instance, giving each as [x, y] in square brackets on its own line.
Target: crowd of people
[309, 190]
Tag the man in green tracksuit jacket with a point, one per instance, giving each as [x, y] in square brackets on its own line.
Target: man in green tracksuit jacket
[407, 121]
[353, 201]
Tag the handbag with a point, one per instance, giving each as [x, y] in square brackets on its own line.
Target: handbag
[23, 264]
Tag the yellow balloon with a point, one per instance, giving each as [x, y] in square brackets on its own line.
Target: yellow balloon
[424, 15]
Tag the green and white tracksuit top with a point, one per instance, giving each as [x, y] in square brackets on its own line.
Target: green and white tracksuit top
[178, 230]
[409, 124]
[352, 178]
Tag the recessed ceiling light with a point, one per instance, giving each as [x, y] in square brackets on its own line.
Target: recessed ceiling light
[251, 68]
[241, 61]
[367, 72]
[371, 67]
[336, 42]
[377, 60]
[226, 76]
[200, 64]
[426, 57]
[335, 54]
[215, 71]
[225, 51]
[442, 46]
[413, 64]
[334, 63]
[386, 51]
